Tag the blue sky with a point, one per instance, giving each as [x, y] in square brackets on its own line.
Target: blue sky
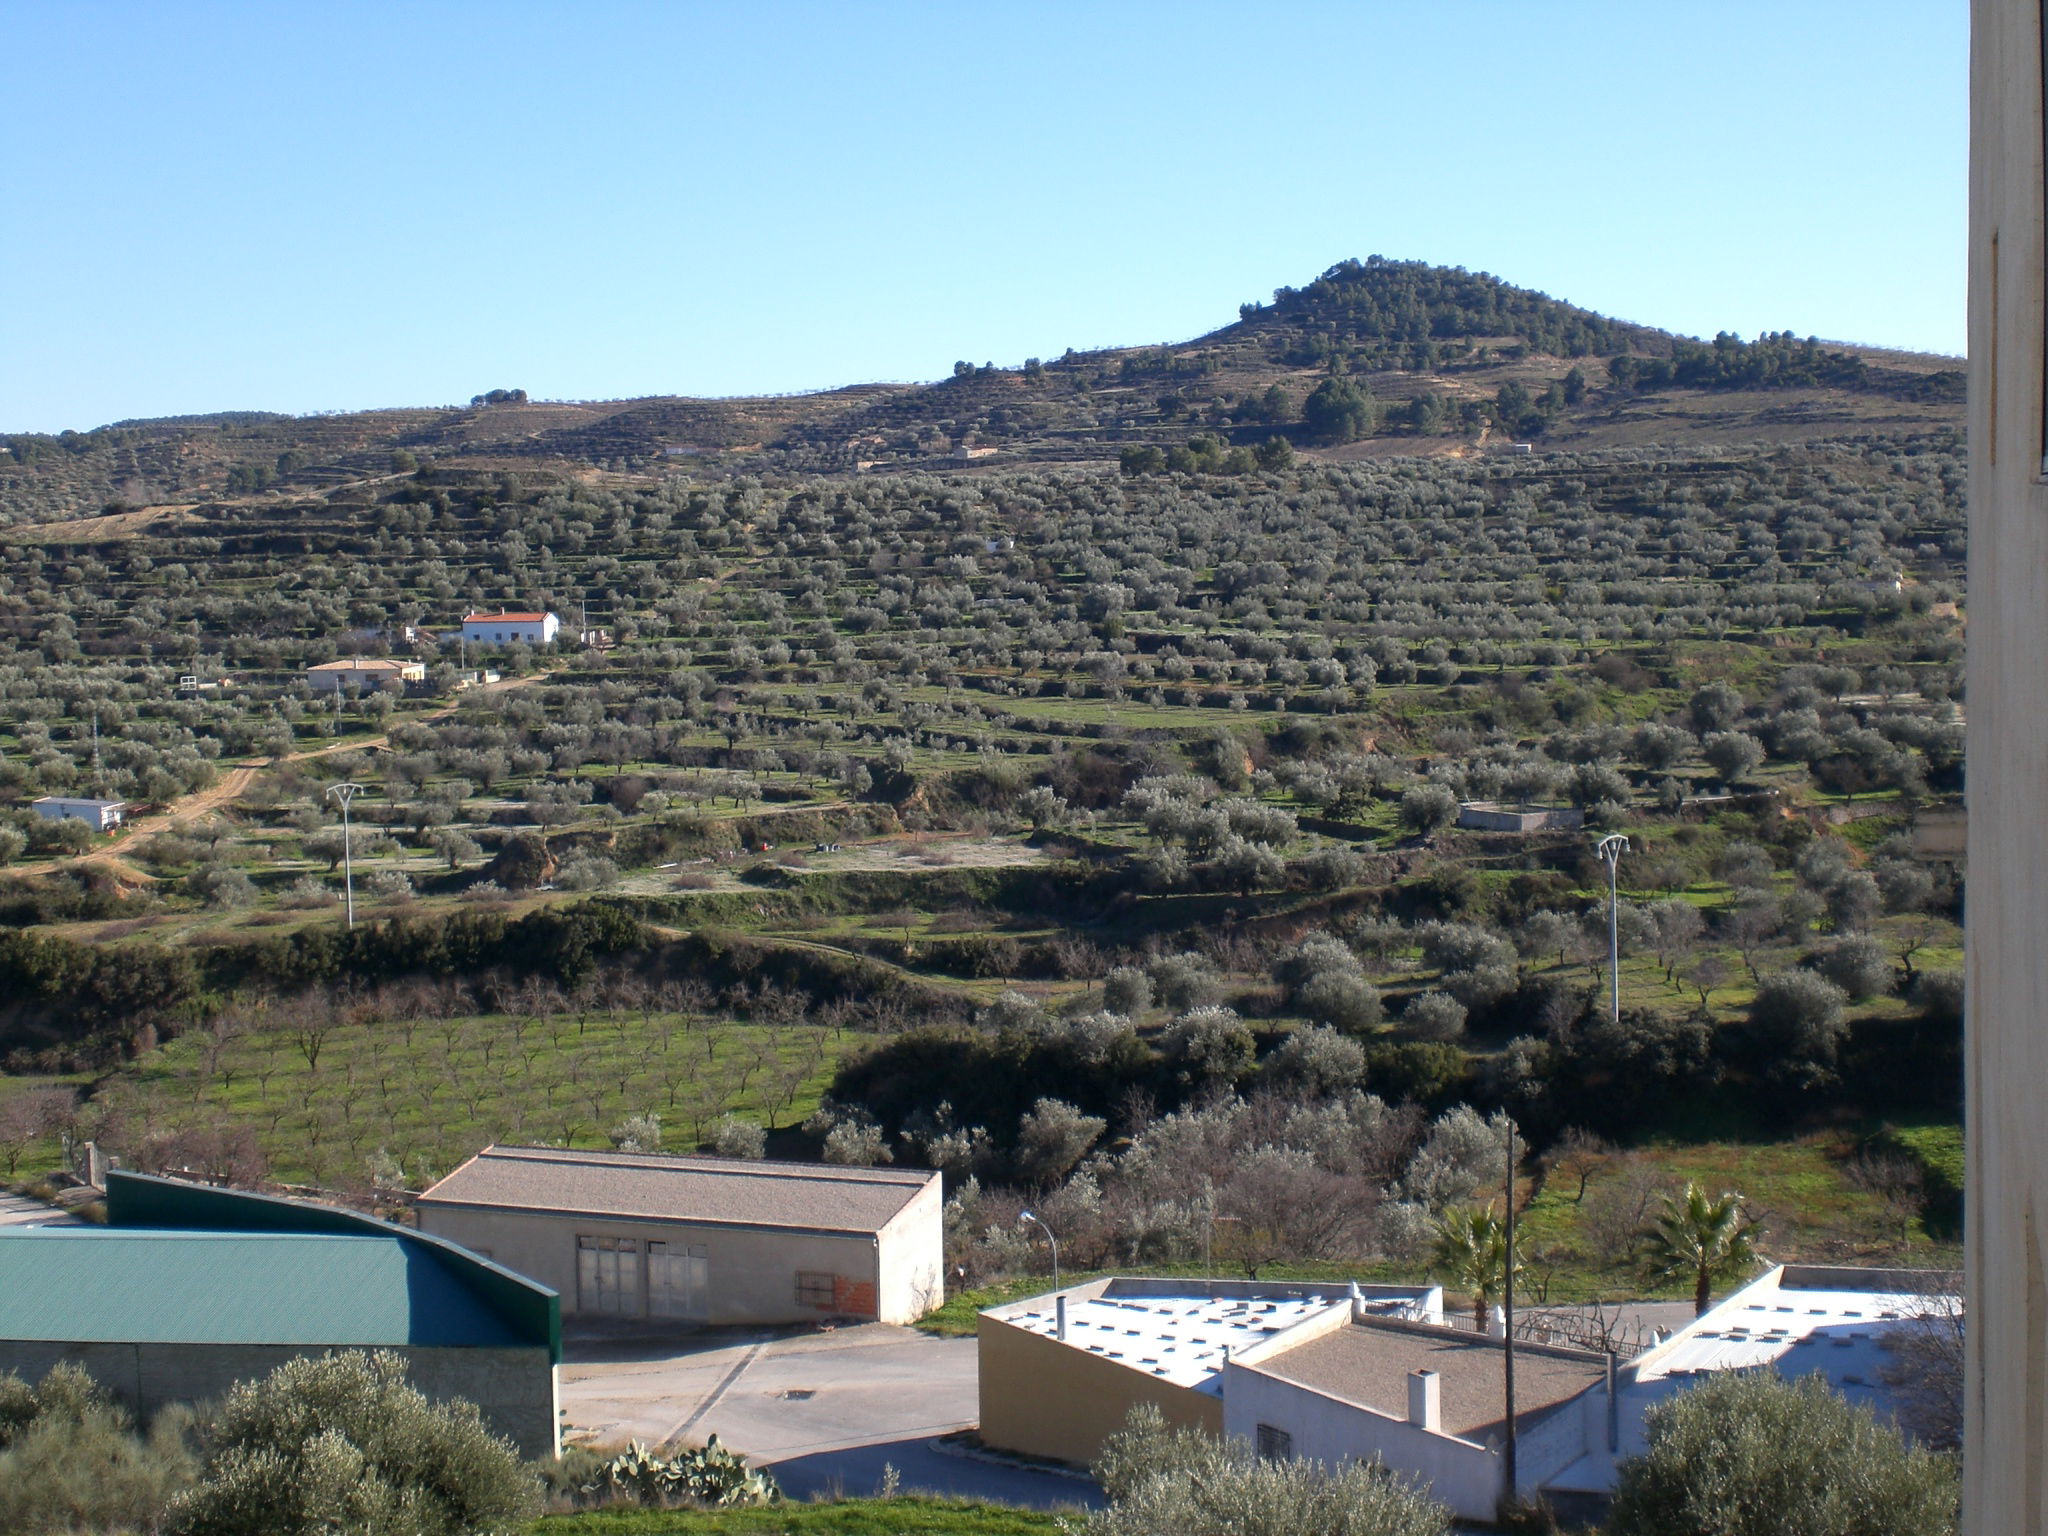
[313, 206]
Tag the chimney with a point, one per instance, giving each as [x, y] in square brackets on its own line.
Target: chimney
[1357, 1299]
[1425, 1401]
[1059, 1312]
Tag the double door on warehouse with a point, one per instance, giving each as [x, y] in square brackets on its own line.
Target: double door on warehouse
[626, 1277]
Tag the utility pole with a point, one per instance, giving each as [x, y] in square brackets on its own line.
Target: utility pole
[1508, 1320]
[1612, 847]
[346, 791]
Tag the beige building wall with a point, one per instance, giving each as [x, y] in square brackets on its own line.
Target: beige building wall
[1040, 1397]
[913, 1257]
[2005, 1484]
[753, 1275]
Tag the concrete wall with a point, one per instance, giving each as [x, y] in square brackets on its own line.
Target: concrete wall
[1040, 1397]
[515, 1388]
[752, 1274]
[1461, 1474]
[2005, 1457]
[913, 1258]
[1464, 1474]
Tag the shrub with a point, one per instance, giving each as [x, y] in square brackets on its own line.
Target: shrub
[1860, 966]
[1052, 1138]
[1324, 980]
[586, 872]
[1186, 981]
[70, 1460]
[1316, 1062]
[344, 1442]
[706, 1475]
[1754, 1455]
[1428, 808]
[1183, 1483]
[1434, 1016]
[734, 1137]
[1796, 1017]
[1128, 991]
[221, 886]
[1210, 1046]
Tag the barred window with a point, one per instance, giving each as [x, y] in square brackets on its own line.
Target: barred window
[814, 1288]
[1275, 1444]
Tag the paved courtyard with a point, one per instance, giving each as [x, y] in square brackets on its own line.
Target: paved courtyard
[825, 1411]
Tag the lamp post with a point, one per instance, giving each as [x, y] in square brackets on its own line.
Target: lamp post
[346, 791]
[1024, 1216]
[1611, 848]
[1508, 1322]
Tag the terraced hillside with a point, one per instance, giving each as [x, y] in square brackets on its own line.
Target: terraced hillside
[1448, 362]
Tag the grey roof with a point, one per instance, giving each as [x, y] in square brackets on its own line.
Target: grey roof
[708, 1191]
[1369, 1364]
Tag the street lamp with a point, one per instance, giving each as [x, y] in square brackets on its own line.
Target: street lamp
[1024, 1216]
[1611, 848]
[346, 791]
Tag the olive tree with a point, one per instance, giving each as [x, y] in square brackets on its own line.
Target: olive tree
[1750, 1454]
[345, 1442]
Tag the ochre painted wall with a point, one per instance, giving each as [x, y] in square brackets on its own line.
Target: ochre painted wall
[1040, 1397]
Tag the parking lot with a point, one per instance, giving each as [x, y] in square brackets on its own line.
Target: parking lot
[827, 1412]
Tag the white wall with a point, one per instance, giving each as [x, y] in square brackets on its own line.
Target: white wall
[913, 1258]
[1459, 1473]
[1462, 1473]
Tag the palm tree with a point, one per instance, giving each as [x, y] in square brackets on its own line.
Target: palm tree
[1471, 1253]
[1701, 1240]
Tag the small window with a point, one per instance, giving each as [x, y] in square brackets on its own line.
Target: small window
[815, 1288]
[1275, 1444]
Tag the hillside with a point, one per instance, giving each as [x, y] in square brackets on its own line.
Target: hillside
[1445, 362]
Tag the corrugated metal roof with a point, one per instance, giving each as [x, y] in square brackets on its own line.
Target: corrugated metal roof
[112, 1285]
[713, 1191]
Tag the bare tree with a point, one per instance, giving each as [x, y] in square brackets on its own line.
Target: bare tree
[1925, 1372]
[1578, 1156]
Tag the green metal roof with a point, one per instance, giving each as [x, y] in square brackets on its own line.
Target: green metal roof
[114, 1285]
[141, 1203]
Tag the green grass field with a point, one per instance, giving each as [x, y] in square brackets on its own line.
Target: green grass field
[322, 1099]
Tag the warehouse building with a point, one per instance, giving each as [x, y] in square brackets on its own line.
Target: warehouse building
[1058, 1373]
[633, 1239]
[188, 1290]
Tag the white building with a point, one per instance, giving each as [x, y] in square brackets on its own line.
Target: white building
[1797, 1320]
[364, 674]
[504, 628]
[632, 1237]
[1427, 1400]
[1059, 1373]
[100, 815]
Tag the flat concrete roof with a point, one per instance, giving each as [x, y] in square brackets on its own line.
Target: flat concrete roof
[1804, 1320]
[704, 1191]
[1180, 1330]
[1368, 1364]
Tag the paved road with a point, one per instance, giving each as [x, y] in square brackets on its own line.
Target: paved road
[826, 1411]
[20, 1211]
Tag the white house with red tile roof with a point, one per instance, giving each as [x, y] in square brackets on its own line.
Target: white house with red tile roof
[506, 628]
